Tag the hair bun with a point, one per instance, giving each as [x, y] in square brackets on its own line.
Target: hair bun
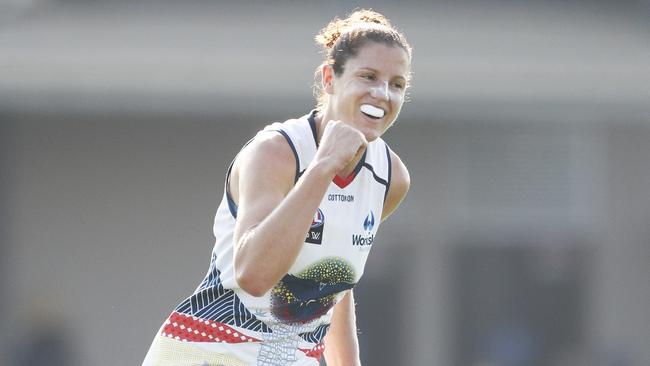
[328, 36]
[368, 16]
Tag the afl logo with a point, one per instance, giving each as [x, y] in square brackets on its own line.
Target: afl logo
[315, 234]
[318, 220]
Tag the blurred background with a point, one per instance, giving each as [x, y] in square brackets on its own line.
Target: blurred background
[524, 241]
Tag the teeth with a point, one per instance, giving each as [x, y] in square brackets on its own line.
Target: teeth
[372, 110]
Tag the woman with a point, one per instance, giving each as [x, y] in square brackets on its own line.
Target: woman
[302, 203]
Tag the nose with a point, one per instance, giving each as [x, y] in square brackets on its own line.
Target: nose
[380, 91]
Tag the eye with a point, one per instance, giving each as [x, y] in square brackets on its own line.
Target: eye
[368, 76]
[398, 85]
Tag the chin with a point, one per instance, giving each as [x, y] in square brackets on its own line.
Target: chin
[372, 136]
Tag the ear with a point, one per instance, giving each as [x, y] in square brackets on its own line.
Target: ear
[327, 74]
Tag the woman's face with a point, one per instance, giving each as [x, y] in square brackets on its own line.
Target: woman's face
[369, 94]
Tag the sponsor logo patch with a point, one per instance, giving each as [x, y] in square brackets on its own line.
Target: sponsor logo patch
[369, 222]
[369, 237]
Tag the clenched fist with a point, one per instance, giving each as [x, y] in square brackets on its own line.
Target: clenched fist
[340, 145]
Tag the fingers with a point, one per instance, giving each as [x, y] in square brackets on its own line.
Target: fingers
[341, 143]
[342, 131]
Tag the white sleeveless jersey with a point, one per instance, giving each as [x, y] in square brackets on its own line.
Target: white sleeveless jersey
[221, 324]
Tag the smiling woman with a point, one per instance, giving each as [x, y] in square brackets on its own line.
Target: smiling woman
[297, 219]
[369, 92]
[365, 55]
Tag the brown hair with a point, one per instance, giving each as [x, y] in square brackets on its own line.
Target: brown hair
[342, 39]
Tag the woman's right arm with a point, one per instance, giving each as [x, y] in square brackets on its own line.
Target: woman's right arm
[273, 215]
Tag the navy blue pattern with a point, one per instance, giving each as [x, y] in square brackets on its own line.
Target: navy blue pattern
[213, 302]
[317, 335]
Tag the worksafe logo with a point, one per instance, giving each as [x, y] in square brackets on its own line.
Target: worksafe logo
[315, 233]
[369, 222]
[369, 237]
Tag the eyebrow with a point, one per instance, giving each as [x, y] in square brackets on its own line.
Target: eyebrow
[377, 71]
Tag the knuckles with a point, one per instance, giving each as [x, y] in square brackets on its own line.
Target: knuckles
[341, 142]
[341, 128]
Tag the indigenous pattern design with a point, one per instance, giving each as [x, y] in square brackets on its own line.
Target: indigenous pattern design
[317, 335]
[212, 302]
[301, 298]
[185, 327]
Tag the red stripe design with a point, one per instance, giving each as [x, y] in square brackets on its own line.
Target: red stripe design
[316, 352]
[189, 328]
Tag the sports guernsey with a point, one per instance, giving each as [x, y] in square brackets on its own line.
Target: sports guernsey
[221, 324]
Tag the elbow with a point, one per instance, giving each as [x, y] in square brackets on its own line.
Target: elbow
[249, 277]
[251, 282]
[251, 272]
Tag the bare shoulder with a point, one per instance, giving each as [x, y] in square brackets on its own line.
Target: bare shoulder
[400, 182]
[268, 147]
[266, 162]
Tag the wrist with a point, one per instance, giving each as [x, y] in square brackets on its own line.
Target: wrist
[327, 168]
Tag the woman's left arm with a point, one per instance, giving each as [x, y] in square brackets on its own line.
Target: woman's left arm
[341, 342]
[399, 185]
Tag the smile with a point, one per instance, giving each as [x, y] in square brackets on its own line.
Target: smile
[372, 111]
